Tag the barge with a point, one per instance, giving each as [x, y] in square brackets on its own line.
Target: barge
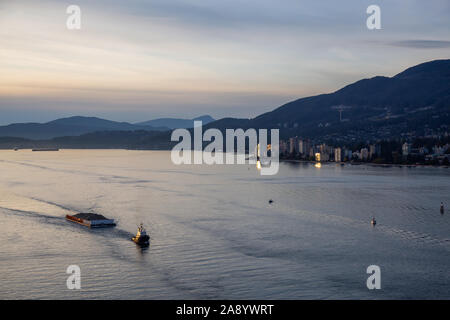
[91, 220]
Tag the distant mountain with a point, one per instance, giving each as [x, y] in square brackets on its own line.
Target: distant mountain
[414, 100]
[137, 139]
[77, 125]
[174, 123]
[412, 103]
[72, 126]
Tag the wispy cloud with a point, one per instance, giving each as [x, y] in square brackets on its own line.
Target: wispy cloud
[422, 44]
[182, 57]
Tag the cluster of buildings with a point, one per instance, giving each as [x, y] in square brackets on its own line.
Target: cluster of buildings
[306, 149]
[436, 153]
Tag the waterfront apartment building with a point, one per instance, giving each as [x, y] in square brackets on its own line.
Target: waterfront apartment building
[364, 155]
[283, 147]
[374, 151]
[293, 145]
[320, 157]
[303, 147]
[406, 149]
[338, 155]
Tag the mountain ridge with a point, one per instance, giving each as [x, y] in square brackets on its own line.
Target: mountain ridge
[412, 102]
[418, 94]
[173, 123]
[79, 125]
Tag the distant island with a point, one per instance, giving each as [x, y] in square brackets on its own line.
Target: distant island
[78, 125]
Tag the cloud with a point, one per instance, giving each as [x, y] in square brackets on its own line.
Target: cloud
[422, 44]
[187, 57]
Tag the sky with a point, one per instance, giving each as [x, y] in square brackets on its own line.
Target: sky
[135, 60]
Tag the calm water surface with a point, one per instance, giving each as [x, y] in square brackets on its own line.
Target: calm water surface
[213, 233]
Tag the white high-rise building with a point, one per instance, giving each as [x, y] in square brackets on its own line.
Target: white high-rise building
[293, 145]
[338, 154]
[364, 154]
[303, 146]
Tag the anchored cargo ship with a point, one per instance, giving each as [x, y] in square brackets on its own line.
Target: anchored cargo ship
[91, 220]
[45, 149]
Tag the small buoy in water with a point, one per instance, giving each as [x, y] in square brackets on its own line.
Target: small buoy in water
[373, 222]
[270, 201]
[442, 208]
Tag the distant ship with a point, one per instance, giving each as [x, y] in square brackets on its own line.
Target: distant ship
[91, 220]
[141, 237]
[45, 149]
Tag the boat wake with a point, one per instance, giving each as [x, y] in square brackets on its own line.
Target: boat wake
[48, 219]
[55, 204]
[60, 221]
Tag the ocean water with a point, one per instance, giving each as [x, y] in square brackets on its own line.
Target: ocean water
[213, 233]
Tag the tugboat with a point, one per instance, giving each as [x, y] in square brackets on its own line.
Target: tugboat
[141, 237]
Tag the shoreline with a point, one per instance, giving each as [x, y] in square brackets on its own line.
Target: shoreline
[382, 165]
